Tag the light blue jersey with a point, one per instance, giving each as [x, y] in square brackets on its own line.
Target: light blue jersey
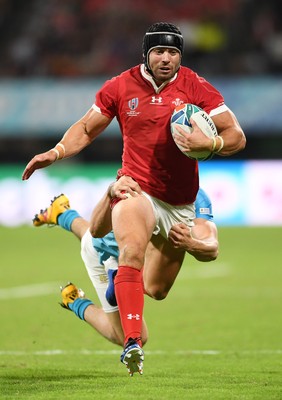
[107, 246]
[203, 206]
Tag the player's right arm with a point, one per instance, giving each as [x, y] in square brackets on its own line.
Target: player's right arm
[101, 218]
[75, 139]
[201, 241]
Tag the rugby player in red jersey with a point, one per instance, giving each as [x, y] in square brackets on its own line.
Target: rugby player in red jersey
[142, 99]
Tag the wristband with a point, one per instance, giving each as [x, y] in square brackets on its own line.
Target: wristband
[59, 149]
[213, 143]
[57, 153]
[221, 144]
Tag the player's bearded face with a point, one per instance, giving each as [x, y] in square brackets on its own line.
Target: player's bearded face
[164, 63]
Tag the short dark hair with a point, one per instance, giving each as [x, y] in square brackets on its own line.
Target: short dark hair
[164, 27]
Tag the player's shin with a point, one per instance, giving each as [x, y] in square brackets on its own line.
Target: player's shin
[130, 299]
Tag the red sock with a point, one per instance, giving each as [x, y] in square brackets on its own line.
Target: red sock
[130, 299]
[142, 280]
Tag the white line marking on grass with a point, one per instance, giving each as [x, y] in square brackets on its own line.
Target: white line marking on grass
[205, 271]
[38, 289]
[148, 352]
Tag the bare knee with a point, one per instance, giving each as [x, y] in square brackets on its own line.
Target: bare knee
[157, 292]
[160, 295]
[132, 253]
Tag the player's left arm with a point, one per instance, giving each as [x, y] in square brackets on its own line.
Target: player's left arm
[230, 139]
[201, 241]
[229, 129]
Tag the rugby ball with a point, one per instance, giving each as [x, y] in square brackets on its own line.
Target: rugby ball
[181, 116]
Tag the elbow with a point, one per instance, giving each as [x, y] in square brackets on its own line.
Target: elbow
[238, 145]
[93, 231]
[213, 256]
[100, 226]
[206, 258]
[243, 142]
[98, 231]
[210, 255]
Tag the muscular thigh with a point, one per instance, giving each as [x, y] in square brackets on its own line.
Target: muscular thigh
[133, 223]
[162, 265]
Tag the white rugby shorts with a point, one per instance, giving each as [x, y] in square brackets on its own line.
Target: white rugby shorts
[168, 215]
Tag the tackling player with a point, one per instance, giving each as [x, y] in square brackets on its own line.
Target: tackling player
[100, 256]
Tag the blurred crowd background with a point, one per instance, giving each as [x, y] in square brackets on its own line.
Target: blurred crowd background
[82, 38]
[56, 54]
[93, 39]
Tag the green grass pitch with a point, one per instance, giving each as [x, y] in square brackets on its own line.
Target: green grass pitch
[218, 335]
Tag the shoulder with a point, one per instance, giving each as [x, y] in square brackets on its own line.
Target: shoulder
[187, 76]
[202, 196]
[201, 92]
[124, 76]
[134, 71]
[193, 77]
[185, 72]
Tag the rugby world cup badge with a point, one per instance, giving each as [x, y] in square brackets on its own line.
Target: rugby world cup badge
[133, 103]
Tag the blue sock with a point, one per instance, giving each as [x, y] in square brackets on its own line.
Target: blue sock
[79, 306]
[110, 292]
[66, 219]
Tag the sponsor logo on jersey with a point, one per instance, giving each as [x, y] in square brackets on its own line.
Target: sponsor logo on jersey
[204, 210]
[156, 100]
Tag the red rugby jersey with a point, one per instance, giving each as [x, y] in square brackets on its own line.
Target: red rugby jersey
[143, 111]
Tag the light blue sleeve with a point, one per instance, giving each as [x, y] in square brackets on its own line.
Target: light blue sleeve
[106, 247]
[203, 206]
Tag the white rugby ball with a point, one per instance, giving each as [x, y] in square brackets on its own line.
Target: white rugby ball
[181, 116]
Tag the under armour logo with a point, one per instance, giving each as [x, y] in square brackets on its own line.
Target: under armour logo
[156, 100]
[132, 316]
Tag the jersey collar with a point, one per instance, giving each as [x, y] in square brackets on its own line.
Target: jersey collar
[149, 78]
